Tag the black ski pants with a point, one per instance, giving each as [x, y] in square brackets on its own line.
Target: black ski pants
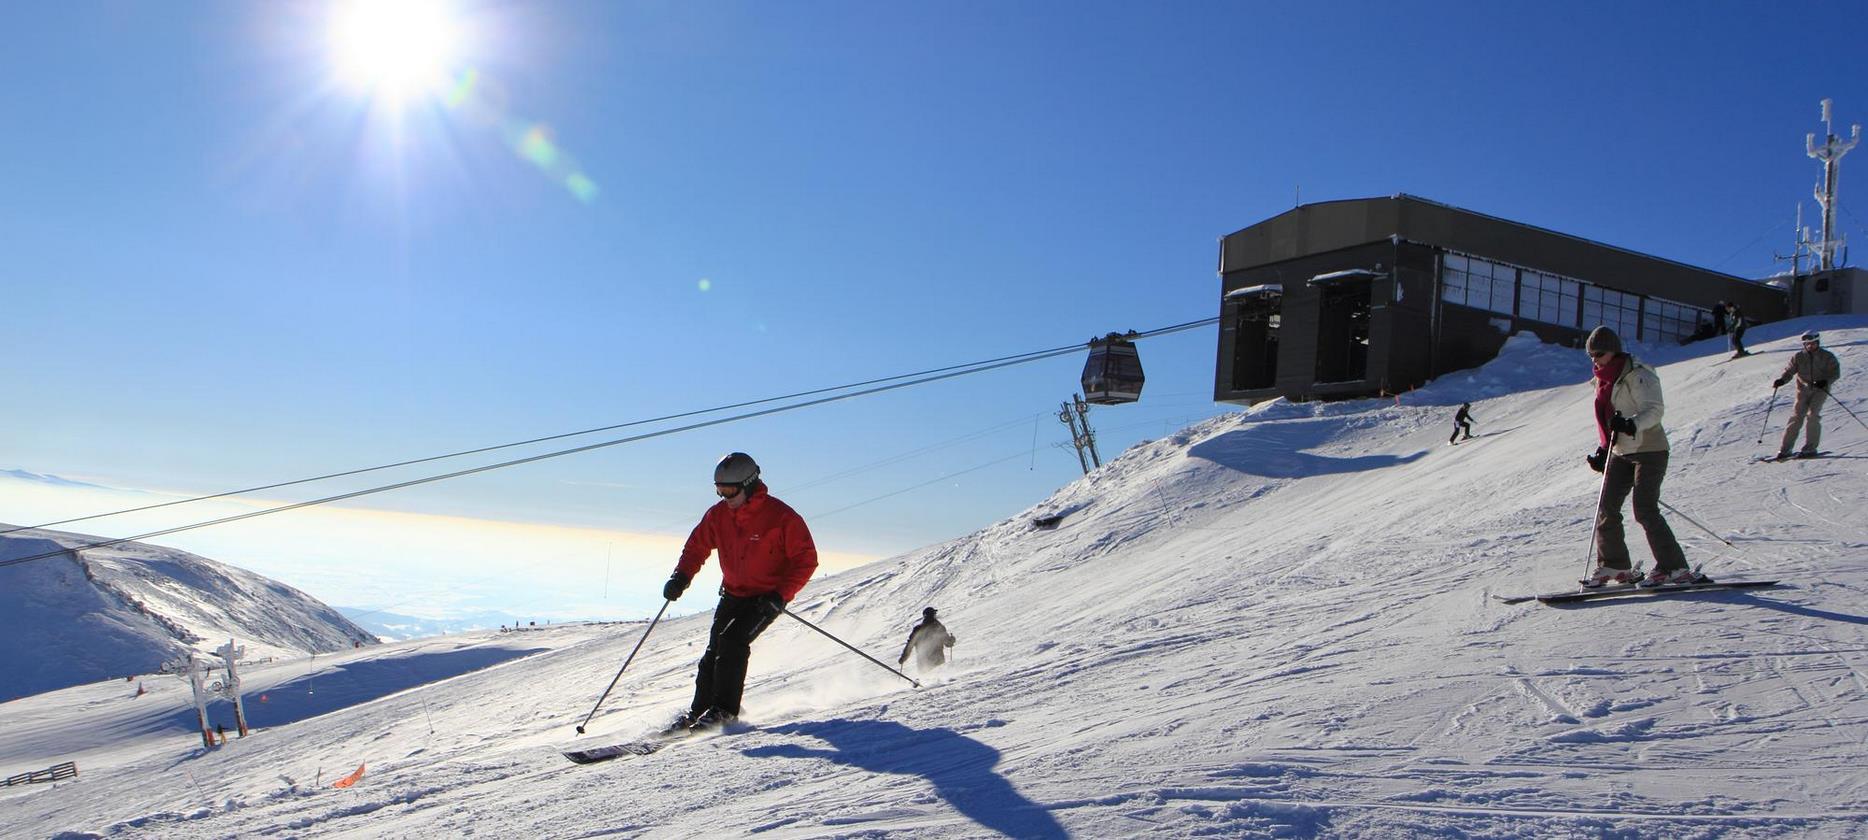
[722, 675]
[1641, 474]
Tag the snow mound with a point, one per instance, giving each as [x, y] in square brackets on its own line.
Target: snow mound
[125, 610]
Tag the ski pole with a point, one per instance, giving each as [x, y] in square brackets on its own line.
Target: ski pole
[1602, 493]
[626, 661]
[1832, 398]
[1676, 512]
[853, 649]
[1767, 414]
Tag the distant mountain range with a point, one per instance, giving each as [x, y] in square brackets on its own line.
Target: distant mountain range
[124, 610]
[49, 479]
[395, 627]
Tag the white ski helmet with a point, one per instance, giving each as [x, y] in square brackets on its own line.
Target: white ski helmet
[737, 469]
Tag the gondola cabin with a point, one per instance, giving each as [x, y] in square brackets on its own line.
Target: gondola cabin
[1113, 373]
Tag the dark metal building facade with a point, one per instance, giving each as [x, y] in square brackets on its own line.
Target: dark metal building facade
[1371, 296]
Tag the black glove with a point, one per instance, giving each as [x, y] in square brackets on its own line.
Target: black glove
[1780, 383]
[1599, 459]
[1624, 425]
[1822, 384]
[771, 605]
[677, 584]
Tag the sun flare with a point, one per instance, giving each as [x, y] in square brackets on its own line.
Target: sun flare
[393, 48]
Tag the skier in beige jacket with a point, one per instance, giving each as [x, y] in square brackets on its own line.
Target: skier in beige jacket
[1633, 460]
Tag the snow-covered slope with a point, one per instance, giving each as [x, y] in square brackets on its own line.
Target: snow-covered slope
[127, 609]
[1274, 623]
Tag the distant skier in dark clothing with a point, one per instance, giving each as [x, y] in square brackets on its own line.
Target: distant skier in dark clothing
[1718, 318]
[766, 556]
[1632, 456]
[1462, 422]
[1813, 368]
[1738, 331]
[928, 642]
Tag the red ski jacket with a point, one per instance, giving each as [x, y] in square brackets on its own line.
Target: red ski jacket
[764, 547]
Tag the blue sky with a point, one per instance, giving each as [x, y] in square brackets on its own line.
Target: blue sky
[225, 268]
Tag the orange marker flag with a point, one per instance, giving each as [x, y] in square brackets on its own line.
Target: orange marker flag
[349, 780]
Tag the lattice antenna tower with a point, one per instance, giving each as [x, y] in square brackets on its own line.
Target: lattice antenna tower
[1830, 153]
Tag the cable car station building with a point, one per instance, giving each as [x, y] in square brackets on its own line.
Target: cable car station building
[1373, 296]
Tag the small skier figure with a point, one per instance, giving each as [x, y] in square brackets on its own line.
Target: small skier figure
[928, 642]
[1738, 331]
[1462, 422]
[1813, 368]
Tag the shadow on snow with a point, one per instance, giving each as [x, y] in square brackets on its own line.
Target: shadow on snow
[349, 684]
[1276, 451]
[959, 768]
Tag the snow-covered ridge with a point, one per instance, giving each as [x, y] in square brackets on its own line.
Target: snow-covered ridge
[126, 610]
[1276, 623]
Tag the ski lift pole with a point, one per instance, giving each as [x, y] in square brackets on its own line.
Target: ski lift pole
[1767, 414]
[626, 661]
[911, 680]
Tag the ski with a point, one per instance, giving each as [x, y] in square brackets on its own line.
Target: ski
[642, 746]
[650, 743]
[1620, 591]
[1773, 459]
[596, 754]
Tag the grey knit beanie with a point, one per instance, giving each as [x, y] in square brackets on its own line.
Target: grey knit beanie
[1603, 340]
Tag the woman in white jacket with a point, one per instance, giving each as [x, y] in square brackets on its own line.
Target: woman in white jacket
[1632, 455]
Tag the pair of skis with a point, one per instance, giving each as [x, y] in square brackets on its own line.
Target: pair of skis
[1619, 590]
[1773, 459]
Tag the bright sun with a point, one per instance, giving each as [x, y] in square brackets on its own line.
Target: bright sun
[393, 48]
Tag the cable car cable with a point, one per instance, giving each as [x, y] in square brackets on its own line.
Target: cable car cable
[480, 450]
[948, 373]
[974, 468]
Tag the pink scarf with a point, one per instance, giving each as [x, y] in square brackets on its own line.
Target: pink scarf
[1606, 373]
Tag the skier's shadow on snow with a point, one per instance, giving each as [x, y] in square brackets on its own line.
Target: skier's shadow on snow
[1732, 596]
[959, 767]
[1276, 450]
[1807, 612]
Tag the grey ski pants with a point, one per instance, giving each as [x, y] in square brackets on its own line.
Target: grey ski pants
[1808, 411]
[1641, 474]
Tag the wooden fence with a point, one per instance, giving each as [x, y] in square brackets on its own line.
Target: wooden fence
[68, 770]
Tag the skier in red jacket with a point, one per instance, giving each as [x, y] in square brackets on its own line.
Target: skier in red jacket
[766, 556]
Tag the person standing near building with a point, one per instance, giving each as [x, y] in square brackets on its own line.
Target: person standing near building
[1718, 318]
[1738, 331]
[766, 556]
[1462, 421]
[928, 641]
[1632, 457]
[1813, 368]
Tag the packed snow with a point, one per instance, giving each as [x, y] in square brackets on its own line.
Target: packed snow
[1275, 623]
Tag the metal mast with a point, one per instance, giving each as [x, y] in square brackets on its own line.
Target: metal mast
[1830, 154]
